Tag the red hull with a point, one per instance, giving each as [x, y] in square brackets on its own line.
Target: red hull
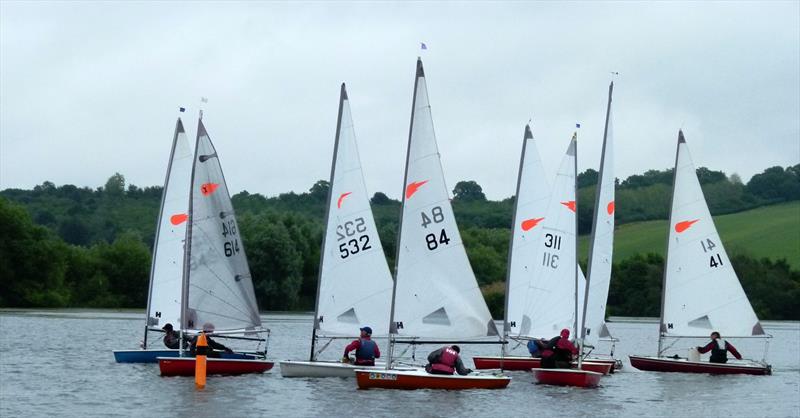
[663, 364]
[528, 363]
[185, 366]
[567, 377]
[422, 380]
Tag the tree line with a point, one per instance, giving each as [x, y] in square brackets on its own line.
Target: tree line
[67, 246]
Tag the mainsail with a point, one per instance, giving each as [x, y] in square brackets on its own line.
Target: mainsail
[602, 246]
[355, 285]
[436, 294]
[550, 302]
[164, 299]
[701, 291]
[218, 289]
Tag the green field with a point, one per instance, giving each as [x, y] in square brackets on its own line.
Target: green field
[769, 231]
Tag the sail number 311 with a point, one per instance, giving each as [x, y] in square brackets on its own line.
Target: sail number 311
[433, 240]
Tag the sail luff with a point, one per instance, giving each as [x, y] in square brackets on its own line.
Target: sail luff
[661, 326]
[506, 327]
[188, 241]
[392, 326]
[577, 264]
[342, 98]
[599, 191]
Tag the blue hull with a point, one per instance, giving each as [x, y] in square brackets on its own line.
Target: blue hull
[150, 356]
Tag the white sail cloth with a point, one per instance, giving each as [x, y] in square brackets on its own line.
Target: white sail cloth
[166, 272]
[702, 292]
[602, 246]
[219, 289]
[355, 282]
[437, 295]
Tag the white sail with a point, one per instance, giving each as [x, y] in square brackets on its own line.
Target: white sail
[701, 291]
[355, 286]
[218, 286]
[549, 302]
[166, 271]
[532, 200]
[602, 245]
[437, 295]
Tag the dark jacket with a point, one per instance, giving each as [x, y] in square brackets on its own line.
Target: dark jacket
[719, 355]
[434, 357]
[172, 340]
[213, 345]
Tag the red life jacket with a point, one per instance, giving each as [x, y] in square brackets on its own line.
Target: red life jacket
[447, 361]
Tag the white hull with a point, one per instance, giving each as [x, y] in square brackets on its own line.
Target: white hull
[292, 368]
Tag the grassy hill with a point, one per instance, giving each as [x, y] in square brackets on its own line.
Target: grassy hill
[769, 231]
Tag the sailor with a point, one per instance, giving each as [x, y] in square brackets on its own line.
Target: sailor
[172, 338]
[366, 349]
[559, 352]
[446, 360]
[719, 349]
[208, 328]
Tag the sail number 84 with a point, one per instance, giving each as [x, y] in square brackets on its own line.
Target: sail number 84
[432, 240]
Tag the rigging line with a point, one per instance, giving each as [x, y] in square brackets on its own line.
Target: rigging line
[235, 308]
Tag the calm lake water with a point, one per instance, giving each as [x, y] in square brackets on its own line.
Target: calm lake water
[59, 363]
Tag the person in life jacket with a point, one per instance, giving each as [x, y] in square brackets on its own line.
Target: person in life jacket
[366, 349]
[446, 360]
[172, 339]
[559, 352]
[719, 349]
[214, 347]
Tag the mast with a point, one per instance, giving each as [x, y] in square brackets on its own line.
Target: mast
[187, 244]
[661, 325]
[596, 213]
[178, 129]
[528, 135]
[575, 188]
[392, 327]
[342, 98]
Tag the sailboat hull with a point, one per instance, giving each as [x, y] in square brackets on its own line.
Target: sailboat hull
[323, 369]
[420, 379]
[567, 377]
[184, 366]
[604, 366]
[151, 356]
[681, 365]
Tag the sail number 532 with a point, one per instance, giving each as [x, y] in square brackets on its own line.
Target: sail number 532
[356, 244]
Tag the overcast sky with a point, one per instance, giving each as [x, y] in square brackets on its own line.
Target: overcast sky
[92, 88]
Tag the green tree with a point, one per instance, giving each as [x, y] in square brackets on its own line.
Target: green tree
[468, 191]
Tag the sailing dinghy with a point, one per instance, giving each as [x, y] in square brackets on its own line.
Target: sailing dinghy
[217, 289]
[558, 276]
[536, 304]
[436, 298]
[700, 291]
[355, 285]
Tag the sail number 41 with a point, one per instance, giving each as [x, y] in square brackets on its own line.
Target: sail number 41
[708, 245]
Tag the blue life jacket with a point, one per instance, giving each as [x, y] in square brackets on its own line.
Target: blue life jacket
[366, 351]
[533, 348]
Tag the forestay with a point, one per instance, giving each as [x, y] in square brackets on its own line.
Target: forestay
[355, 286]
[702, 292]
[437, 295]
[164, 299]
[219, 288]
[550, 299]
[602, 246]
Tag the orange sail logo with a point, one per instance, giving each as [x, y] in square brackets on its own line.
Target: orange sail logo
[682, 226]
[610, 207]
[529, 224]
[341, 199]
[208, 188]
[413, 187]
[570, 204]
[178, 219]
